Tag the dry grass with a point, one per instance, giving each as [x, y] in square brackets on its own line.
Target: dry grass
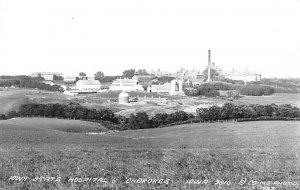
[260, 151]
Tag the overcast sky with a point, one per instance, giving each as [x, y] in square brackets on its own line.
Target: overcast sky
[70, 36]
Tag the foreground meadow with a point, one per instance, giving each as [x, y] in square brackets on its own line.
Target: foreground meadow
[249, 155]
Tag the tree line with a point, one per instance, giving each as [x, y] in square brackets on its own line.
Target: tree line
[75, 111]
[286, 83]
[210, 89]
[28, 82]
[70, 111]
[232, 111]
[141, 120]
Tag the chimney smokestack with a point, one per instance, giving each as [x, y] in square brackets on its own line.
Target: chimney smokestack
[208, 68]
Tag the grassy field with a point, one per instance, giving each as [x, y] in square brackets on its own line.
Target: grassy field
[278, 98]
[11, 99]
[221, 153]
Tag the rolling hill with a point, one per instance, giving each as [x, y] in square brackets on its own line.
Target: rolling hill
[260, 152]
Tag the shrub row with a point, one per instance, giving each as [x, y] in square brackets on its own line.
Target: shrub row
[231, 111]
[71, 111]
[256, 90]
[211, 89]
[141, 120]
[75, 111]
[285, 83]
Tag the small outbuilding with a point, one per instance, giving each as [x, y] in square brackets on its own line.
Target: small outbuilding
[123, 98]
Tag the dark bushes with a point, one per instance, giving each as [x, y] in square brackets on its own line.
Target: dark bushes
[2, 117]
[211, 89]
[141, 120]
[65, 111]
[231, 111]
[256, 90]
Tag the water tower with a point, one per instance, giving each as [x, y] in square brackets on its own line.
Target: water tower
[123, 98]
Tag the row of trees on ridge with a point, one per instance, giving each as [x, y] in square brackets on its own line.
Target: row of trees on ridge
[211, 89]
[141, 120]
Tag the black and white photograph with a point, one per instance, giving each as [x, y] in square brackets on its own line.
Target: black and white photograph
[149, 94]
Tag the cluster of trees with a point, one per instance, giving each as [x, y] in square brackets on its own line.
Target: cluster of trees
[281, 85]
[256, 90]
[28, 82]
[160, 119]
[201, 91]
[131, 72]
[99, 76]
[211, 89]
[109, 79]
[126, 74]
[231, 111]
[165, 79]
[82, 74]
[71, 111]
[208, 89]
[241, 82]
[141, 120]
[60, 78]
[74, 111]
[286, 83]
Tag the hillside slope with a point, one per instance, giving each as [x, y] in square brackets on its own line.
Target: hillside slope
[51, 130]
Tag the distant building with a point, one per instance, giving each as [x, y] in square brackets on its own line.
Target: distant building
[197, 81]
[69, 78]
[246, 75]
[126, 85]
[194, 80]
[143, 79]
[160, 88]
[176, 87]
[46, 75]
[88, 85]
[159, 73]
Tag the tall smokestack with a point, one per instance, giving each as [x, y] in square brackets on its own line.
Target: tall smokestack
[208, 68]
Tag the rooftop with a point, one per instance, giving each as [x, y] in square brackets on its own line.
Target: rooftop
[46, 73]
[88, 82]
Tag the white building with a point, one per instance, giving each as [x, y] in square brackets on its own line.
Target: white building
[126, 85]
[69, 78]
[88, 85]
[160, 88]
[123, 98]
[176, 87]
[246, 75]
[160, 73]
[46, 75]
